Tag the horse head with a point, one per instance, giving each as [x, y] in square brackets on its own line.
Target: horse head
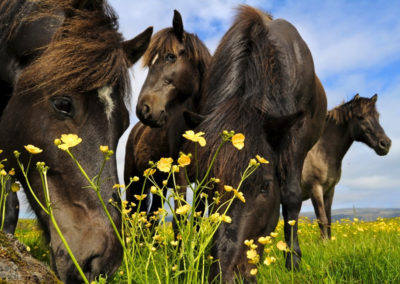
[77, 85]
[176, 60]
[365, 126]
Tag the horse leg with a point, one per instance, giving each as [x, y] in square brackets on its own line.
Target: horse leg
[291, 205]
[317, 198]
[11, 212]
[328, 198]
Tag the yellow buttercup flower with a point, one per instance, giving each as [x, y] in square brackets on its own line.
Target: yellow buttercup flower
[149, 172]
[228, 188]
[239, 195]
[265, 240]
[69, 140]
[248, 242]
[292, 222]
[3, 173]
[184, 160]
[253, 162]
[153, 189]
[261, 160]
[57, 141]
[253, 271]
[215, 217]
[117, 185]
[104, 149]
[135, 179]
[282, 246]
[183, 209]
[174, 243]
[238, 141]
[33, 149]
[253, 256]
[269, 260]
[274, 234]
[140, 197]
[175, 169]
[226, 219]
[15, 187]
[195, 137]
[164, 164]
[11, 172]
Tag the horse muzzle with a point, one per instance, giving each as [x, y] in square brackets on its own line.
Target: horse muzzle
[150, 115]
[383, 146]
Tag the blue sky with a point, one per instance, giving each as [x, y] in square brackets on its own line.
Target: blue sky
[356, 49]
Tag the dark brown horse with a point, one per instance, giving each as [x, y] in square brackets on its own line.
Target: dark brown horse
[177, 62]
[356, 120]
[64, 69]
[262, 83]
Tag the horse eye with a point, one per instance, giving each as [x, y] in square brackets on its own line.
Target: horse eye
[63, 105]
[265, 187]
[170, 57]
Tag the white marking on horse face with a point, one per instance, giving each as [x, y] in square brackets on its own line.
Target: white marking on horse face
[154, 59]
[105, 97]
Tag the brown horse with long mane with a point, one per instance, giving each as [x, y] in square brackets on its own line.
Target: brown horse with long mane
[356, 120]
[177, 62]
[261, 82]
[64, 69]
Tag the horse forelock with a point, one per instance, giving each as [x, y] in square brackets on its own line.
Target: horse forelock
[84, 55]
[166, 41]
[347, 110]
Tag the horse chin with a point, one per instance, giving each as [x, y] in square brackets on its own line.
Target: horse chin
[381, 152]
[154, 123]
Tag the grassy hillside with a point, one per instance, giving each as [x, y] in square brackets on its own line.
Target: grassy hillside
[366, 214]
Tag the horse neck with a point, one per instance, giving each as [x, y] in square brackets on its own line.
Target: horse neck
[336, 140]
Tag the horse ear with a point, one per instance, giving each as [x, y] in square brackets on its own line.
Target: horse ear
[374, 98]
[356, 97]
[91, 5]
[135, 48]
[177, 24]
[192, 119]
[273, 127]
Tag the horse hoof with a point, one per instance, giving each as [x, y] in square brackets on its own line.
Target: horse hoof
[295, 265]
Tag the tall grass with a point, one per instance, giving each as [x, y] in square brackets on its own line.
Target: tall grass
[359, 252]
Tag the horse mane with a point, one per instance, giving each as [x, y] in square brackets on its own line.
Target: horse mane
[347, 110]
[85, 52]
[245, 82]
[248, 66]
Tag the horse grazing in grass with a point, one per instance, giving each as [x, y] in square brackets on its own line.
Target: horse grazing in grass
[261, 82]
[177, 62]
[356, 120]
[64, 69]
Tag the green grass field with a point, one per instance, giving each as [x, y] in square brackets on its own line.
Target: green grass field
[360, 252]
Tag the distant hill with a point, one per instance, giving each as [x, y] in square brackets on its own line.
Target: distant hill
[366, 214]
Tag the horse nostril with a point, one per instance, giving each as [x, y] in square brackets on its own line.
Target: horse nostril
[146, 110]
[91, 265]
[383, 144]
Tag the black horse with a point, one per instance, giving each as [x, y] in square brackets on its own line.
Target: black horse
[356, 120]
[64, 69]
[261, 82]
[177, 62]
